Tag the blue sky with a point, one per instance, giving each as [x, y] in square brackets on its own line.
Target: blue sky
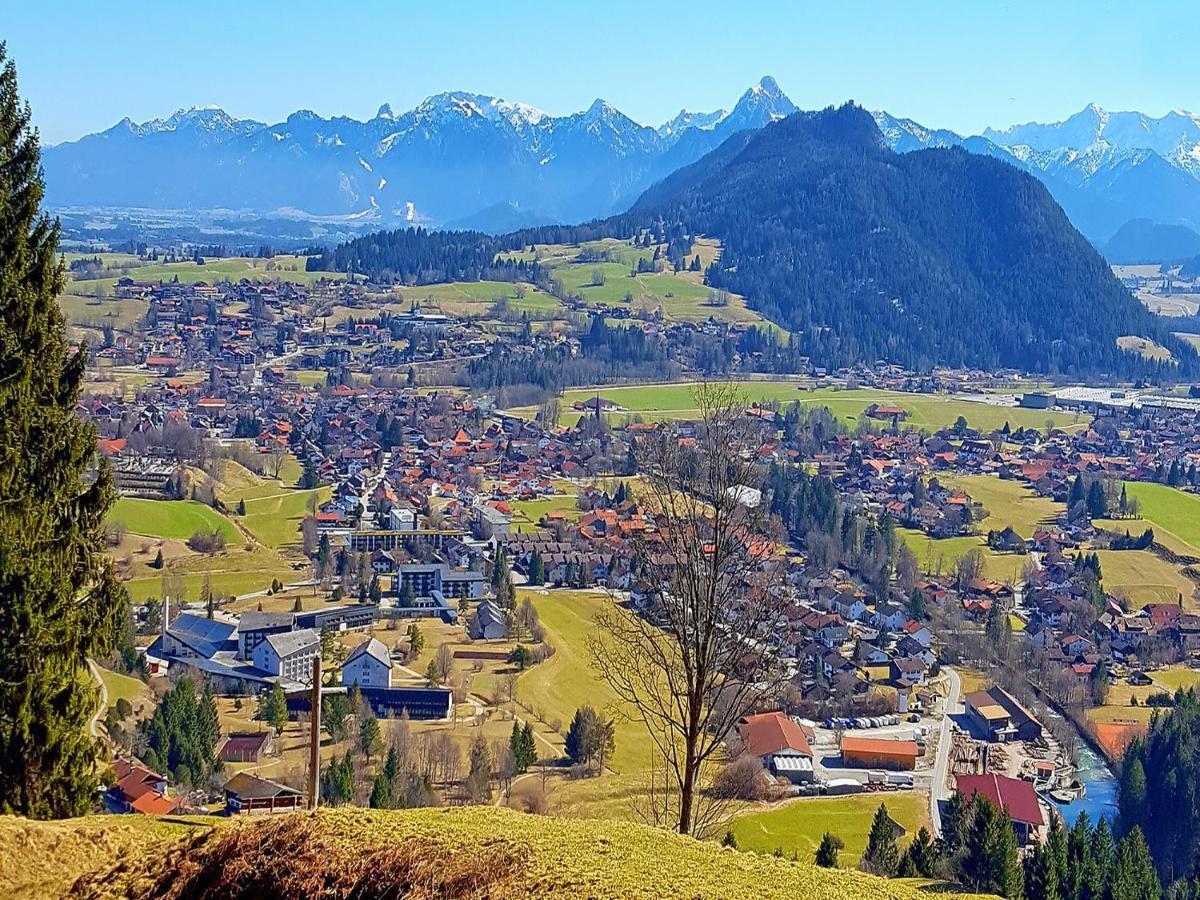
[960, 65]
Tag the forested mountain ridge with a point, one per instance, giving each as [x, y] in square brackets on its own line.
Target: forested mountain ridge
[930, 257]
[934, 256]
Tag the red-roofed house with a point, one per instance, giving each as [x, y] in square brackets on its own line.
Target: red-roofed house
[780, 742]
[1013, 795]
[140, 790]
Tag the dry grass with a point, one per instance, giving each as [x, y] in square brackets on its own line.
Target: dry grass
[455, 852]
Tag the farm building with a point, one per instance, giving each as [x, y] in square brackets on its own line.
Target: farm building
[1013, 795]
[248, 746]
[999, 717]
[247, 794]
[878, 753]
[780, 742]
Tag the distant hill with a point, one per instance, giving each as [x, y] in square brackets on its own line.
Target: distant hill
[475, 851]
[930, 256]
[936, 256]
[1141, 241]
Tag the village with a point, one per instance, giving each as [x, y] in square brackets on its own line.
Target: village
[427, 526]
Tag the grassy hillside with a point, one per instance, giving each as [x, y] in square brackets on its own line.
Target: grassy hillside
[797, 827]
[178, 519]
[456, 852]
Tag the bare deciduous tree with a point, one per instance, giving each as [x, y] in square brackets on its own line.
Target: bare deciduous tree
[704, 652]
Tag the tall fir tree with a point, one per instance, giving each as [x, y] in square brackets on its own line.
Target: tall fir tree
[60, 602]
[882, 856]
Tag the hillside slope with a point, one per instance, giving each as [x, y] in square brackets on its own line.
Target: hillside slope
[934, 256]
[458, 852]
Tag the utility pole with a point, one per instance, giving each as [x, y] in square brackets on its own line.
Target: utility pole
[314, 743]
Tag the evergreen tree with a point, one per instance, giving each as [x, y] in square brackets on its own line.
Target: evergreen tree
[1133, 875]
[369, 739]
[381, 793]
[882, 855]
[991, 864]
[391, 764]
[1041, 875]
[827, 851]
[273, 708]
[416, 641]
[241, 507]
[206, 596]
[522, 747]
[60, 602]
[479, 772]
[924, 854]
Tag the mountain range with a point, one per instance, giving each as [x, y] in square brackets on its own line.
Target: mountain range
[465, 160]
[457, 160]
[1104, 168]
[935, 256]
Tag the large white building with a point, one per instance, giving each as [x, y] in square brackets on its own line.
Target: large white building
[368, 665]
[289, 655]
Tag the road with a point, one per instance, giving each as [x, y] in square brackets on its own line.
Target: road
[938, 788]
[94, 721]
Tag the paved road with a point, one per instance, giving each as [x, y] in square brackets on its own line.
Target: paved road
[938, 788]
[94, 722]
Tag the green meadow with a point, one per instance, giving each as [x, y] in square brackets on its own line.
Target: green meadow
[177, 519]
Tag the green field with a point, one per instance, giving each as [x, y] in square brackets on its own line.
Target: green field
[928, 412]
[231, 583]
[234, 268]
[275, 518]
[1177, 677]
[797, 827]
[475, 298]
[1003, 567]
[527, 513]
[1143, 578]
[1008, 502]
[1171, 512]
[94, 312]
[178, 519]
[566, 681]
[120, 687]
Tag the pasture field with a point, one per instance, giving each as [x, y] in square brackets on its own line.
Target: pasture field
[1177, 677]
[567, 680]
[1169, 511]
[679, 297]
[1143, 578]
[797, 826]
[96, 312]
[527, 513]
[1144, 347]
[1008, 502]
[178, 519]
[473, 297]
[1193, 339]
[274, 519]
[232, 582]
[232, 268]
[928, 412]
[934, 556]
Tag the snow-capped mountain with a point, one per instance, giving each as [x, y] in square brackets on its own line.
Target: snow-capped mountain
[457, 158]
[1104, 168]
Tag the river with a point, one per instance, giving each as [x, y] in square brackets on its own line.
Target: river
[1101, 795]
